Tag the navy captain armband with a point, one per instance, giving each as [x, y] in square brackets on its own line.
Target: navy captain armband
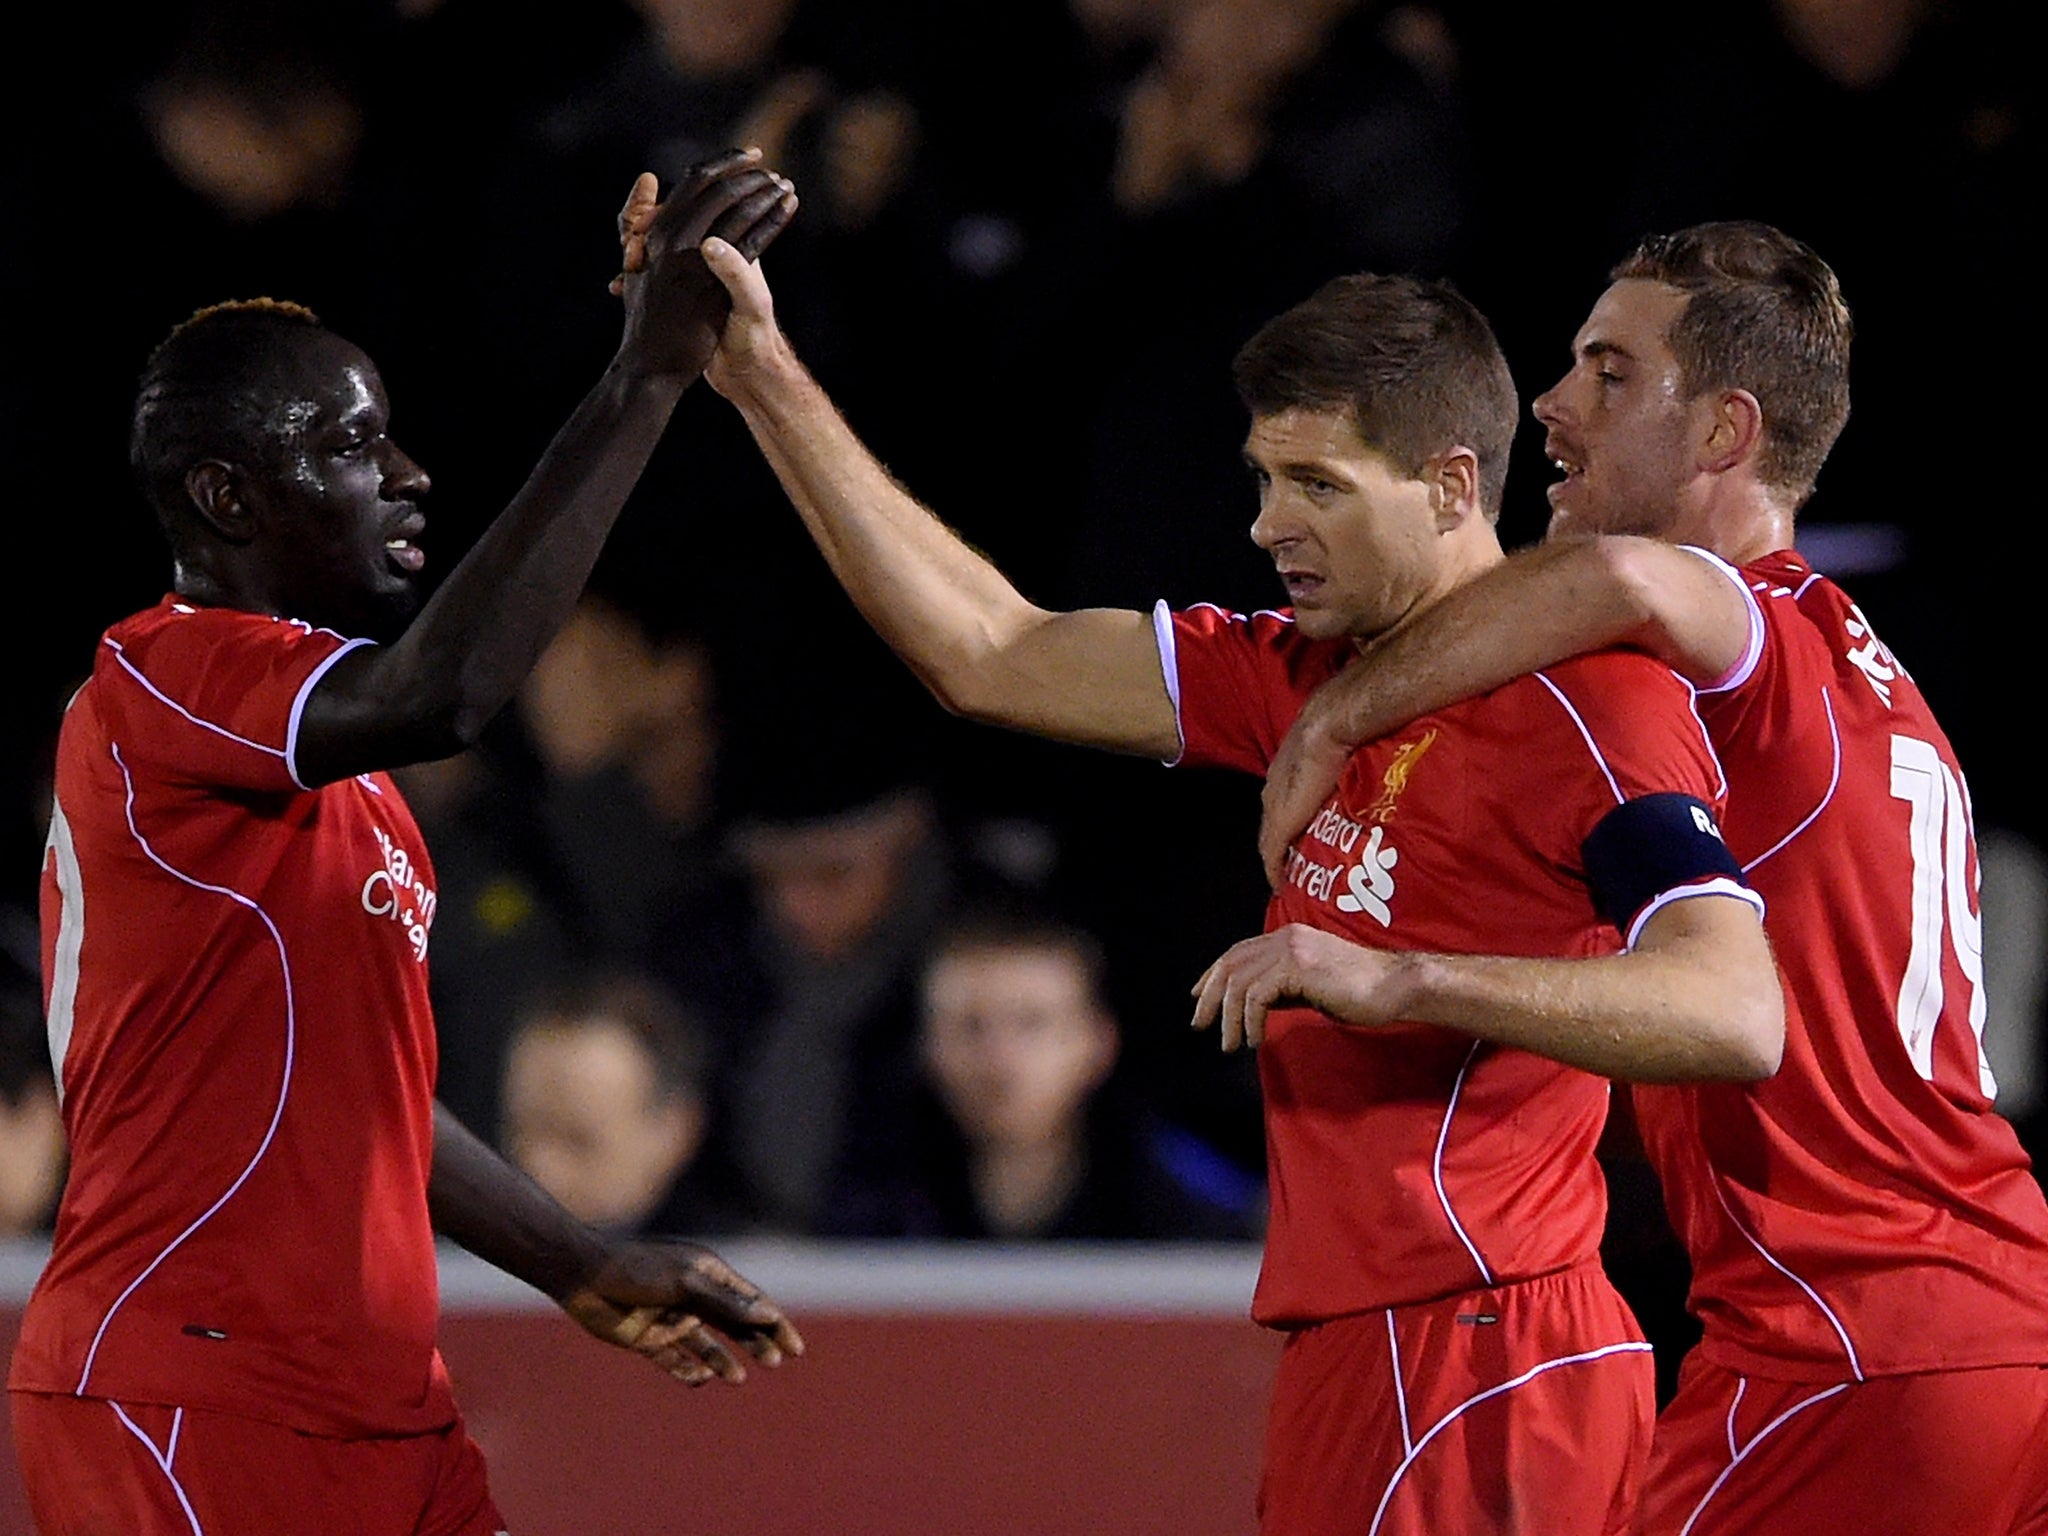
[1646, 848]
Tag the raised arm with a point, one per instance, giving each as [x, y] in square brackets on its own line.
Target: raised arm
[1697, 999]
[429, 693]
[669, 1302]
[1092, 677]
[1534, 609]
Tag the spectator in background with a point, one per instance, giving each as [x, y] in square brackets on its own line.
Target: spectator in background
[625, 734]
[32, 1153]
[578, 833]
[606, 1105]
[1023, 1130]
[847, 869]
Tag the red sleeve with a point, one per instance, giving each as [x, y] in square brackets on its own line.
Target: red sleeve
[1237, 682]
[212, 695]
[1634, 730]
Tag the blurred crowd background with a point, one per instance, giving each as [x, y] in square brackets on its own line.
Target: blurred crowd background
[738, 931]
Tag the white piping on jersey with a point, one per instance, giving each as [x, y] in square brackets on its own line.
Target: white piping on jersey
[1834, 779]
[158, 694]
[1810, 580]
[1727, 1471]
[1633, 1347]
[283, 1088]
[291, 732]
[1849, 1349]
[1753, 648]
[1169, 667]
[70, 939]
[1591, 745]
[1741, 1386]
[1692, 702]
[1400, 1391]
[1720, 885]
[163, 1458]
[1436, 1167]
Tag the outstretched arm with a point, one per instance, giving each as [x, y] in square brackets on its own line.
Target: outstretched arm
[669, 1302]
[1696, 1000]
[1533, 610]
[430, 692]
[1092, 677]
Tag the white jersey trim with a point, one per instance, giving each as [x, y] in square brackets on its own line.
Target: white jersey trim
[1632, 1347]
[1592, 746]
[1752, 652]
[1834, 782]
[1834, 1322]
[163, 1458]
[70, 940]
[291, 735]
[1692, 702]
[1169, 668]
[1736, 1456]
[1720, 885]
[284, 1085]
[1436, 1167]
[170, 703]
[1400, 1390]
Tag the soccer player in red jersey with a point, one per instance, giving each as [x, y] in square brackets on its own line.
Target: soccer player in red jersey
[1868, 1243]
[1456, 1359]
[235, 1329]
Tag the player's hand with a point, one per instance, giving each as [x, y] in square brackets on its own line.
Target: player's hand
[635, 219]
[1298, 965]
[1301, 777]
[683, 1307]
[674, 307]
[750, 332]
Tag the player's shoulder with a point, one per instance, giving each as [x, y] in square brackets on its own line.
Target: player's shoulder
[1611, 684]
[176, 630]
[1268, 632]
[1271, 627]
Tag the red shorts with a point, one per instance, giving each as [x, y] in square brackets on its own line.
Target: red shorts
[1944, 1453]
[1524, 1408]
[94, 1467]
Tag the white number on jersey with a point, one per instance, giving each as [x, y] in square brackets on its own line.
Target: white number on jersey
[1945, 907]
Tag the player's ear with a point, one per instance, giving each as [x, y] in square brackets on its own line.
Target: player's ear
[1735, 433]
[1453, 480]
[214, 489]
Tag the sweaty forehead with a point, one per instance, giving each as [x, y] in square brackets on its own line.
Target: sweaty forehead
[1633, 316]
[321, 379]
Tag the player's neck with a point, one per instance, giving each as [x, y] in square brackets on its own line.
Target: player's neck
[1740, 525]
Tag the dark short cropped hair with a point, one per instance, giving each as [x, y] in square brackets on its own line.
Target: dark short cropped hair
[1412, 361]
[1764, 313]
[211, 389]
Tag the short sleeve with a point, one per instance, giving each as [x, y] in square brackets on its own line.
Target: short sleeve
[1745, 665]
[1237, 681]
[213, 696]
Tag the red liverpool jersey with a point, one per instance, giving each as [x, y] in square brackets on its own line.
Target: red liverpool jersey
[235, 972]
[1866, 1211]
[1412, 1162]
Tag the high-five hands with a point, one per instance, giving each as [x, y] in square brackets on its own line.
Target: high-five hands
[675, 308]
[1299, 965]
